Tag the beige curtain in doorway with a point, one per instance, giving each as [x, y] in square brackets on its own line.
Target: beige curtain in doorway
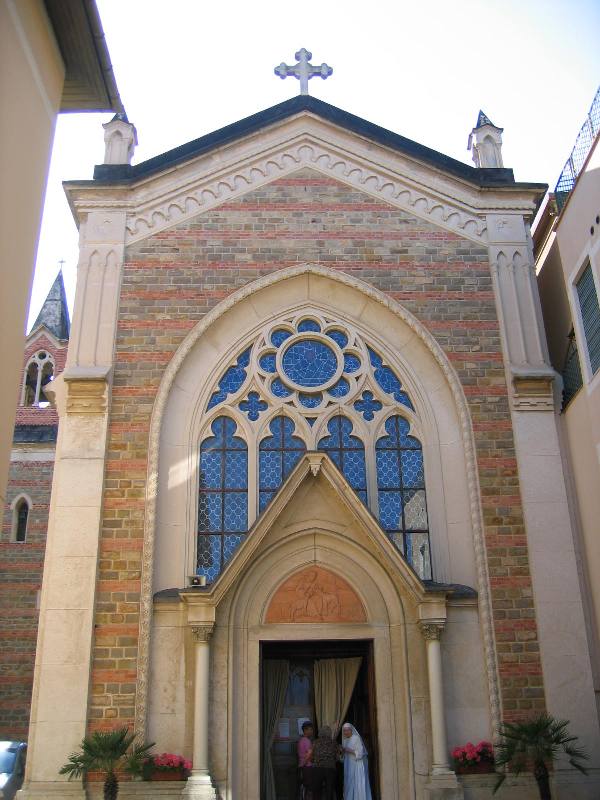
[334, 684]
[275, 683]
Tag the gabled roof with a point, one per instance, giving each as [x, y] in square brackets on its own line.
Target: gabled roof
[125, 173]
[54, 314]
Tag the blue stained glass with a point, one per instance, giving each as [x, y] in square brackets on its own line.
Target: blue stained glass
[347, 453]
[388, 381]
[368, 406]
[270, 469]
[390, 510]
[279, 388]
[231, 542]
[278, 455]
[290, 459]
[311, 420]
[209, 557]
[402, 503]
[279, 336]
[309, 325]
[210, 469]
[388, 469]
[338, 337]
[253, 406]
[309, 363]
[267, 362]
[210, 510]
[264, 498]
[310, 400]
[223, 497]
[232, 380]
[412, 468]
[351, 363]
[339, 389]
[235, 512]
[236, 469]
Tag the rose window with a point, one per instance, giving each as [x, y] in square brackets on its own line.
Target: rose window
[310, 382]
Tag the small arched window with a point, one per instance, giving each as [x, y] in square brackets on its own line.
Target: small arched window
[20, 519]
[223, 497]
[38, 374]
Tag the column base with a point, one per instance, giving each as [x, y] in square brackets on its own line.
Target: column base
[199, 787]
[443, 785]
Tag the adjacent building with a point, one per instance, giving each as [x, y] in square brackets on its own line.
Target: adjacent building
[53, 58]
[25, 513]
[567, 248]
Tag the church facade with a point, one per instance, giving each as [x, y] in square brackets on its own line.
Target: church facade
[307, 429]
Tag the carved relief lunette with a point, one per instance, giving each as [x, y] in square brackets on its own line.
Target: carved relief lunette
[315, 595]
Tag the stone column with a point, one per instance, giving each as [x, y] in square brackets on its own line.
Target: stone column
[199, 784]
[432, 633]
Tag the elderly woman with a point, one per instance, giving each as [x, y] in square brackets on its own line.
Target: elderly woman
[325, 752]
[356, 765]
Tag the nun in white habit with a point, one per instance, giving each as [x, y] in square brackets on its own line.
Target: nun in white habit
[356, 765]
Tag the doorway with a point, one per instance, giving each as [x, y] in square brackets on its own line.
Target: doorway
[299, 704]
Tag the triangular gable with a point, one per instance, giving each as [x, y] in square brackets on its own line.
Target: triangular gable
[221, 167]
[312, 466]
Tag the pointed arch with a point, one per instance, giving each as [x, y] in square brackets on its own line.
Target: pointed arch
[430, 378]
[21, 509]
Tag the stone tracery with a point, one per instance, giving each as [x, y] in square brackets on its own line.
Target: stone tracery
[309, 382]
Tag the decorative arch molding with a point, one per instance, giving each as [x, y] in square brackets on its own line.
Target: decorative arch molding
[387, 184]
[253, 292]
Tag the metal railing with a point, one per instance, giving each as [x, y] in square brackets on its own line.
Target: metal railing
[583, 145]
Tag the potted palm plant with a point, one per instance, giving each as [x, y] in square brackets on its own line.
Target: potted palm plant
[536, 743]
[108, 752]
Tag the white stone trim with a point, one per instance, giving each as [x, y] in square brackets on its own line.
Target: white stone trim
[466, 435]
[184, 191]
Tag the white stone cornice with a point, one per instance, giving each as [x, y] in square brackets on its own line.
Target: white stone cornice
[184, 191]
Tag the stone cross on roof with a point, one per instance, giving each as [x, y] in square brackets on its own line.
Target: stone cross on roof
[303, 70]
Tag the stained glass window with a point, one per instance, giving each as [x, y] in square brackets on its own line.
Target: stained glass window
[307, 365]
[401, 493]
[223, 497]
[232, 380]
[278, 455]
[347, 452]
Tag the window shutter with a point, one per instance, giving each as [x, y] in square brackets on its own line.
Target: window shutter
[590, 314]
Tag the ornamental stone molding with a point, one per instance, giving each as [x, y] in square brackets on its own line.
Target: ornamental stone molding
[202, 633]
[466, 433]
[431, 631]
[209, 180]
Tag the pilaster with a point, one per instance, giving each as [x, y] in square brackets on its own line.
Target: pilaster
[567, 677]
[59, 711]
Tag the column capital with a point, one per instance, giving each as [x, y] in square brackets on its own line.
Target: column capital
[202, 633]
[431, 631]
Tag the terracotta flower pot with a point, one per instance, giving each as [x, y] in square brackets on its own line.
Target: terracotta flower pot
[480, 768]
[168, 774]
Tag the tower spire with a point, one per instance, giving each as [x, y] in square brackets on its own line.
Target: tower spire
[54, 313]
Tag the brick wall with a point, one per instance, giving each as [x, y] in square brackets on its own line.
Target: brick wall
[172, 279]
[21, 566]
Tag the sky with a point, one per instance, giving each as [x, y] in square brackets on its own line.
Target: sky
[421, 68]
